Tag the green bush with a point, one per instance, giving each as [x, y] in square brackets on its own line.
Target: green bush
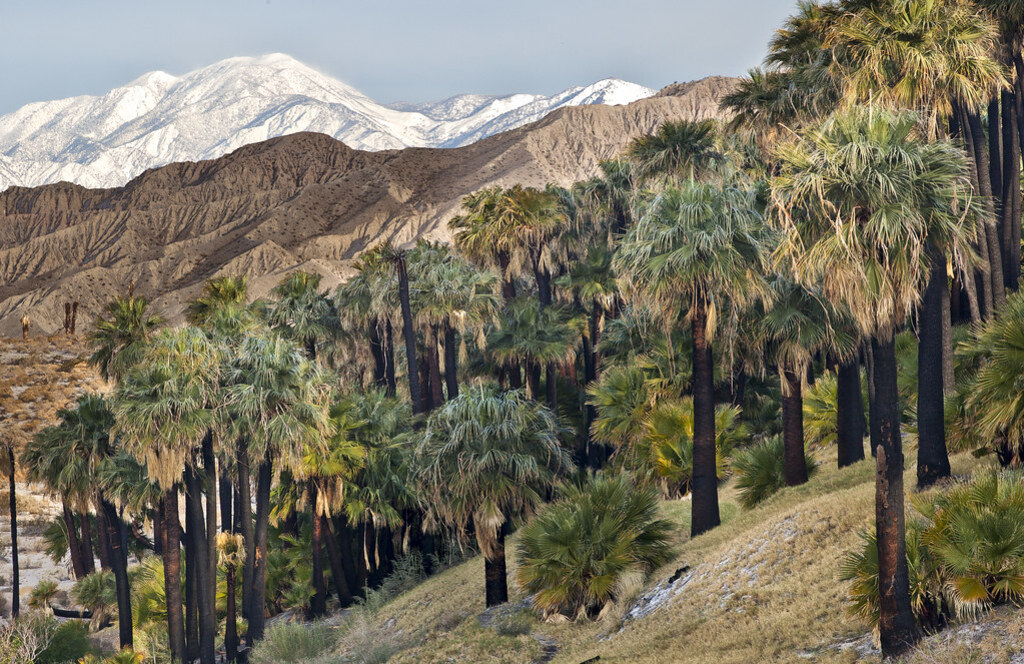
[574, 553]
[97, 593]
[965, 553]
[69, 644]
[294, 642]
[760, 471]
[43, 594]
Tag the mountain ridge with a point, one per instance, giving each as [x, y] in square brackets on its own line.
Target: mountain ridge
[158, 118]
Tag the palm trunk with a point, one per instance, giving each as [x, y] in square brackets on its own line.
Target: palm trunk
[795, 462]
[948, 367]
[434, 362]
[318, 604]
[992, 235]
[208, 587]
[119, 560]
[551, 387]
[704, 504]
[257, 607]
[202, 584]
[191, 568]
[451, 362]
[932, 457]
[495, 573]
[74, 545]
[377, 352]
[337, 567]
[102, 541]
[13, 503]
[897, 628]
[849, 414]
[869, 364]
[389, 358]
[244, 488]
[230, 619]
[172, 575]
[1012, 128]
[995, 150]
[410, 336]
[88, 557]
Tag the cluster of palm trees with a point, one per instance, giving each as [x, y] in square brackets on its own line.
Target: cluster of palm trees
[648, 319]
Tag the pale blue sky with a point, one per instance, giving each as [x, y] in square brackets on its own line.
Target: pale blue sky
[392, 50]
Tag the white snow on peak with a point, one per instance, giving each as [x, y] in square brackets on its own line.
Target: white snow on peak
[159, 118]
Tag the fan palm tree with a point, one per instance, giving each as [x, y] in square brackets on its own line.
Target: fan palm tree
[685, 149]
[71, 458]
[165, 409]
[798, 324]
[275, 397]
[487, 457]
[367, 303]
[120, 341]
[698, 248]
[302, 313]
[327, 473]
[533, 336]
[860, 199]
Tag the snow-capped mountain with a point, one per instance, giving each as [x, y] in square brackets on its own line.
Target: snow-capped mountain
[159, 118]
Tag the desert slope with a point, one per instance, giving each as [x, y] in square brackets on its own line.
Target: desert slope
[300, 201]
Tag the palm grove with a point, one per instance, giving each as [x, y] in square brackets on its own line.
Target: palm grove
[721, 296]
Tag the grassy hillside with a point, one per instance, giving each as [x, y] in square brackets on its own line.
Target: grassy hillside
[764, 587]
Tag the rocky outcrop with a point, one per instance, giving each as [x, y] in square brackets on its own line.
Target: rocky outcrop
[303, 201]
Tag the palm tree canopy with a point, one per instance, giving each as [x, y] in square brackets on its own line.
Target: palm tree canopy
[276, 398]
[302, 312]
[120, 340]
[168, 402]
[679, 150]
[487, 456]
[697, 242]
[860, 197]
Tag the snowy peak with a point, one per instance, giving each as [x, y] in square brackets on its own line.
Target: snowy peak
[104, 141]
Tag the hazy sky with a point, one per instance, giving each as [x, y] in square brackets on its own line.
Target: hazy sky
[392, 50]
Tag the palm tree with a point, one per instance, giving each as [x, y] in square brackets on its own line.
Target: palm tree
[71, 457]
[327, 474]
[275, 398]
[860, 199]
[698, 248]
[798, 324]
[533, 336]
[487, 457]
[679, 150]
[120, 342]
[302, 313]
[366, 304]
[7, 463]
[165, 409]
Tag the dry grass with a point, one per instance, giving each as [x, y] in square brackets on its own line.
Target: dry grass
[765, 588]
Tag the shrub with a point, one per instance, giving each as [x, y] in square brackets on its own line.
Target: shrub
[574, 552]
[70, 643]
[965, 553]
[760, 472]
[406, 573]
[366, 642]
[669, 430]
[25, 637]
[294, 642]
[42, 594]
[96, 592]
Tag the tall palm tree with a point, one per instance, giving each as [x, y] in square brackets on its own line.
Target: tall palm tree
[120, 341]
[860, 199]
[534, 337]
[796, 325]
[302, 313]
[698, 248]
[276, 399]
[8, 465]
[327, 473]
[165, 409]
[684, 149]
[485, 458]
[70, 457]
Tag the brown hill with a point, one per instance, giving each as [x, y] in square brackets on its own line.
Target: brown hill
[301, 201]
